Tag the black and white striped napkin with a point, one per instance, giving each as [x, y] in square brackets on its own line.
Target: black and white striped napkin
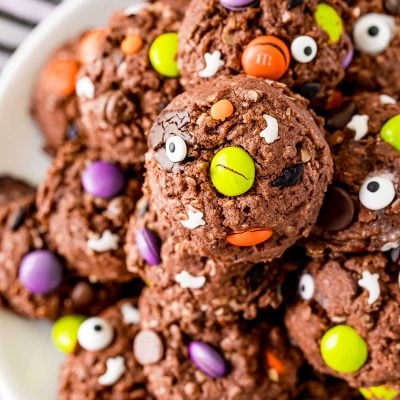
[17, 18]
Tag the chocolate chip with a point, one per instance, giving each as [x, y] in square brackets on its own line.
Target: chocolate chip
[255, 275]
[82, 294]
[309, 90]
[294, 3]
[337, 212]
[393, 6]
[340, 119]
[72, 131]
[289, 177]
[18, 219]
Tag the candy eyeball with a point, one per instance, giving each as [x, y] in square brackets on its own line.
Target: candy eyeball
[306, 287]
[373, 32]
[176, 149]
[304, 49]
[95, 334]
[377, 193]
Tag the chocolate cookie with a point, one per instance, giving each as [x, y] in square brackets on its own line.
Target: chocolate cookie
[54, 103]
[362, 208]
[85, 202]
[301, 43]
[232, 362]
[13, 189]
[131, 80]
[237, 169]
[346, 321]
[103, 366]
[376, 36]
[34, 280]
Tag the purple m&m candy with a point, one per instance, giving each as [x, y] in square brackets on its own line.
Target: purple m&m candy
[238, 5]
[103, 179]
[348, 58]
[207, 359]
[40, 272]
[148, 245]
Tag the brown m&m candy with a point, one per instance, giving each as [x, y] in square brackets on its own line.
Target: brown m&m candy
[337, 211]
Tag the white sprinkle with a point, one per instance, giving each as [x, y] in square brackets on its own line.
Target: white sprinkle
[148, 347]
[213, 62]
[370, 282]
[115, 368]
[385, 99]
[130, 314]
[135, 8]
[359, 124]
[195, 219]
[271, 132]
[390, 246]
[107, 241]
[85, 88]
[188, 281]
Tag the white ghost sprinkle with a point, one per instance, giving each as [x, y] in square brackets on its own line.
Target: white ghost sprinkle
[188, 281]
[107, 241]
[271, 132]
[213, 62]
[195, 219]
[359, 124]
[115, 368]
[130, 314]
[135, 8]
[385, 99]
[370, 282]
[390, 246]
[85, 88]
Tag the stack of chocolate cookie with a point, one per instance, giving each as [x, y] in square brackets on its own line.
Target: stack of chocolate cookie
[241, 158]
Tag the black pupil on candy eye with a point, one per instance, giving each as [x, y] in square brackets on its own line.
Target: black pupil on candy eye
[302, 288]
[171, 147]
[308, 51]
[373, 186]
[373, 31]
[97, 328]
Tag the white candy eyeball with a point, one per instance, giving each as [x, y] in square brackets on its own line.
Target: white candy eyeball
[176, 149]
[373, 32]
[306, 287]
[377, 192]
[304, 49]
[95, 334]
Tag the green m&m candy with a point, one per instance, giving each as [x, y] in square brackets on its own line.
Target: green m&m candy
[65, 332]
[232, 171]
[343, 349]
[330, 21]
[390, 132]
[162, 55]
[379, 392]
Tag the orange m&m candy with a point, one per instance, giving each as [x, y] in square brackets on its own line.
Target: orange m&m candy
[132, 44]
[89, 45]
[222, 109]
[274, 362]
[249, 237]
[266, 57]
[61, 76]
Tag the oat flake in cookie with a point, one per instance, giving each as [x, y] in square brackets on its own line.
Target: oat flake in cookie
[362, 208]
[85, 202]
[301, 43]
[237, 169]
[103, 365]
[131, 80]
[252, 361]
[376, 37]
[34, 280]
[346, 318]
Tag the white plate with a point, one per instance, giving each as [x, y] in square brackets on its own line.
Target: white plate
[28, 361]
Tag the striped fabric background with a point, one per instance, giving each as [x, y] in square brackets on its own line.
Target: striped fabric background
[17, 18]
